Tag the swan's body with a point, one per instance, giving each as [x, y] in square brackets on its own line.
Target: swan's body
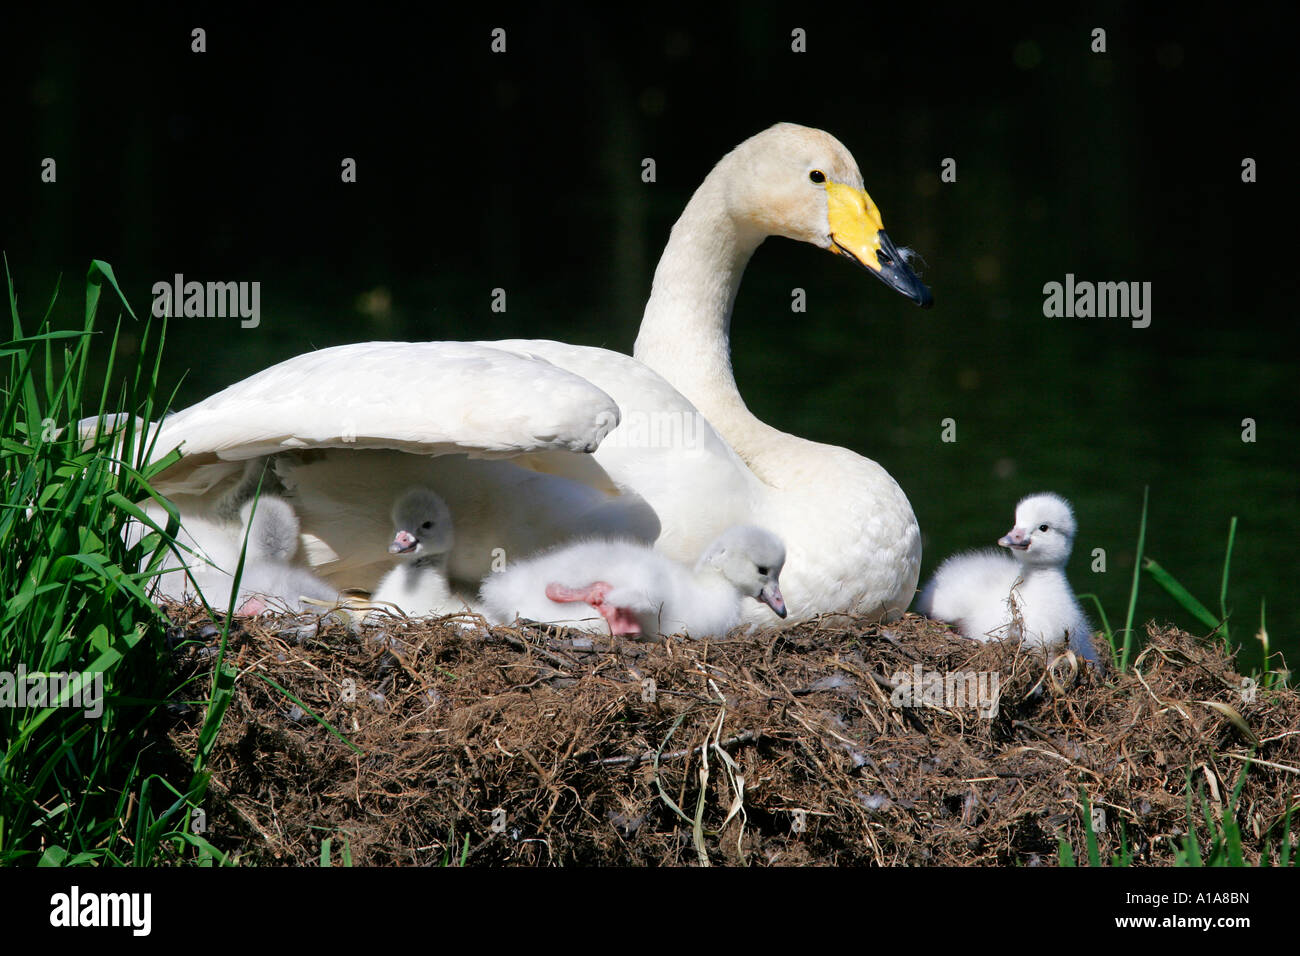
[423, 536]
[990, 595]
[637, 590]
[659, 448]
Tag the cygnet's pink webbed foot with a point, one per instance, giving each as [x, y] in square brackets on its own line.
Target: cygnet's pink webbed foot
[251, 607]
[621, 620]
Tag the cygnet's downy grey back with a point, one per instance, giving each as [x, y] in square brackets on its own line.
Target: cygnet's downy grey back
[270, 579]
[273, 529]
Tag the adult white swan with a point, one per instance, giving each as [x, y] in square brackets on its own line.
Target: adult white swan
[532, 442]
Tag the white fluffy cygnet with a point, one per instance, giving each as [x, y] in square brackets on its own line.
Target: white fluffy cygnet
[423, 536]
[636, 590]
[206, 554]
[268, 580]
[990, 595]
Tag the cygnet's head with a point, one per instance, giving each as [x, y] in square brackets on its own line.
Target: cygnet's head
[422, 522]
[1044, 531]
[750, 558]
[802, 183]
[273, 532]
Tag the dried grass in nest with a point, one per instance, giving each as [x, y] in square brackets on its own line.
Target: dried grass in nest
[544, 747]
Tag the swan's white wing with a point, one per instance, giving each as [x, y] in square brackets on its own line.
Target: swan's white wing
[354, 426]
[663, 450]
[430, 398]
[426, 397]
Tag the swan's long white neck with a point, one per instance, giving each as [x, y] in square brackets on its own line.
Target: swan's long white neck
[685, 332]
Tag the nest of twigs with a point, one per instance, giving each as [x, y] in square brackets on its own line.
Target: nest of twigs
[831, 742]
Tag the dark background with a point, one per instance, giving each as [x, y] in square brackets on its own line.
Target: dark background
[522, 171]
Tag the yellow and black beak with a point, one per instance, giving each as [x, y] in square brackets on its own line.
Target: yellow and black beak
[858, 233]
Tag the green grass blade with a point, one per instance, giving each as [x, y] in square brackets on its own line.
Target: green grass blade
[310, 713]
[1065, 855]
[98, 273]
[223, 689]
[1126, 654]
[1284, 855]
[1094, 852]
[1175, 589]
[1223, 585]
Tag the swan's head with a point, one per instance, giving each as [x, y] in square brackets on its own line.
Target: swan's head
[1044, 531]
[751, 559]
[272, 528]
[423, 524]
[803, 184]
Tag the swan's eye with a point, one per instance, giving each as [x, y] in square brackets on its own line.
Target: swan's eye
[817, 176]
[764, 571]
[1042, 527]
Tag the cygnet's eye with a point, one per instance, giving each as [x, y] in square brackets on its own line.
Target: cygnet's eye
[429, 524]
[817, 176]
[1042, 527]
[764, 571]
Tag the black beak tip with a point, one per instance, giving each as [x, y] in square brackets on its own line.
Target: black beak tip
[898, 275]
[905, 282]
